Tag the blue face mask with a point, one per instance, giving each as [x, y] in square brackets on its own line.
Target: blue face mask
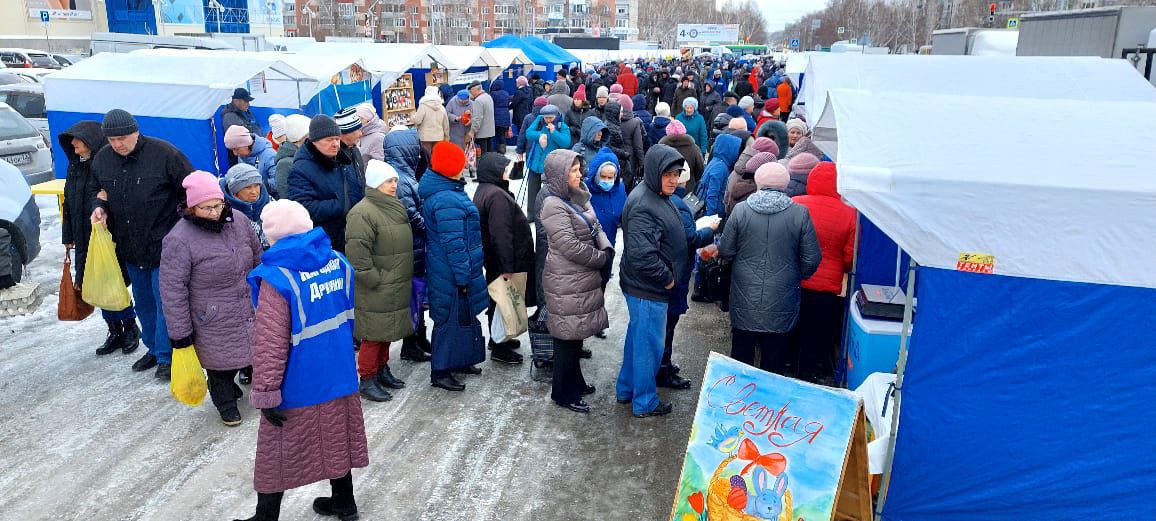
[605, 185]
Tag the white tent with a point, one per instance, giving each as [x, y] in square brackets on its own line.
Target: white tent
[1030, 77]
[463, 57]
[1043, 199]
[797, 64]
[386, 61]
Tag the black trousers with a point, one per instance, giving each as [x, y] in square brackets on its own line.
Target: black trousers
[568, 380]
[668, 347]
[486, 144]
[815, 340]
[772, 347]
[223, 390]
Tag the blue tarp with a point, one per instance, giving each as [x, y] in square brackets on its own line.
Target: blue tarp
[541, 52]
[1026, 399]
[194, 137]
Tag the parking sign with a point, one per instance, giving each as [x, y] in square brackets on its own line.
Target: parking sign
[794, 42]
[45, 16]
[1013, 23]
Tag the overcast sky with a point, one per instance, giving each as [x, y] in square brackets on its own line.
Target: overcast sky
[781, 12]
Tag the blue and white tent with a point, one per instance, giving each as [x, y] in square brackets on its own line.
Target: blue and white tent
[387, 62]
[1026, 393]
[176, 98]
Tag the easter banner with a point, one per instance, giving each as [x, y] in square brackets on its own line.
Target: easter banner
[767, 447]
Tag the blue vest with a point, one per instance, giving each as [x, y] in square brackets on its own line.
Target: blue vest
[321, 364]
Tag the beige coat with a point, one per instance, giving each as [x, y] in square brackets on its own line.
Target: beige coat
[431, 120]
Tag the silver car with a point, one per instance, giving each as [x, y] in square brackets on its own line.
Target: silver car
[28, 100]
[22, 145]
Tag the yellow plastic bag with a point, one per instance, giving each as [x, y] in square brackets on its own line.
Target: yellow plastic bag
[103, 285]
[188, 383]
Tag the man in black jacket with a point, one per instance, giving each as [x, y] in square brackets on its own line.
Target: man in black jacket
[237, 113]
[655, 251]
[142, 178]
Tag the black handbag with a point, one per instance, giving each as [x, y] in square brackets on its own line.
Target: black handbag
[518, 171]
[695, 203]
[717, 283]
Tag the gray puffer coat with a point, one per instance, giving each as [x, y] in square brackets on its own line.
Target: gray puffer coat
[572, 279]
[772, 243]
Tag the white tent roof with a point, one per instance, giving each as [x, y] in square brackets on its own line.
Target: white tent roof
[506, 56]
[321, 69]
[1036, 191]
[187, 86]
[385, 60]
[1021, 76]
[797, 64]
[463, 57]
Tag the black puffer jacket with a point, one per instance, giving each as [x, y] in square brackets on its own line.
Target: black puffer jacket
[75, 226]
[144, 189]
[507, 245]
[634, 139]
[655, 240]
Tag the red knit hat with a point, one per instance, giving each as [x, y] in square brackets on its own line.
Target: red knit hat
[580, 93]
[447, 159]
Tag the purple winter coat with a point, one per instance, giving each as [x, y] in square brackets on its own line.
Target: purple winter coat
[206, 299]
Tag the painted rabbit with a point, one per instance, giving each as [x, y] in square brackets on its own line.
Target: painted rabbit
[767, 502]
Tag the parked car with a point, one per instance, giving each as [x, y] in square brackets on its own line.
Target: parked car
[28, 58]
[33, 75]
[28, 100]
[7, 78]
[20, 216]
[67, 60]
[23, 146]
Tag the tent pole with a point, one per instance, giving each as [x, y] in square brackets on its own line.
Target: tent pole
[901, 367]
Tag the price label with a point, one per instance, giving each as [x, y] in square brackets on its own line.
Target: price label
[976, 262]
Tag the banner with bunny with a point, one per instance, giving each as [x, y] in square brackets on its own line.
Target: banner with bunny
[768, 447]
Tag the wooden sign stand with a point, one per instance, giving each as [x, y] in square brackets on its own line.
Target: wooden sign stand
[853, 497]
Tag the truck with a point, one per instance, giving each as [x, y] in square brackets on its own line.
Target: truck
[974, 41]
[1108, 32]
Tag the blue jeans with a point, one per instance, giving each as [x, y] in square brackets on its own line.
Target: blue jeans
[642, 354]
[146, 292]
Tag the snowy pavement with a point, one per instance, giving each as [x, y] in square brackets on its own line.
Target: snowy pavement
[83, 437]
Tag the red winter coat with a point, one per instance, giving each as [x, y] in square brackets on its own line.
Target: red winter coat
[629, 82]
[317, 442]
[835, 226]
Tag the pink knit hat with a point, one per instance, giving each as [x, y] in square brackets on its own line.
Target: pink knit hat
[758, 160]
[626, 103]
[201, 186]
[675, 128]
[771, 175]
[237, 136]
[766, 144]
[616, 89]
[366, 111]
[802, 163]
[580, 93]
[284, 217]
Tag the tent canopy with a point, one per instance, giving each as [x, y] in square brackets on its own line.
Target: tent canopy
[386, 61]
[1034, 192]
[463, 57]
[507, 57]
[180, 85]
[1018, 77]
[538, 50]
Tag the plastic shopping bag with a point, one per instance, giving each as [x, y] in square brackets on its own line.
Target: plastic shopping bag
[103, 284]
[188, 383]
[509, 295]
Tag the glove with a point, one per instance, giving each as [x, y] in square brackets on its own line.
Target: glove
[608, 268]
[274, 416]
[182, 343]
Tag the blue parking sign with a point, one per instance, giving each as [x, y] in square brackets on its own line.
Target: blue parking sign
[44, 16]
[794, 42]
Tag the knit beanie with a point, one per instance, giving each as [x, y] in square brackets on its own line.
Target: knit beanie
[240, 176]
[296, 127]
[580, 93]
[730, 94]
[541, 101]
[737, 124]
[692, 101]
[118, 123]
[675, 128]
[277, 125]
[237, 136]
[735, 111]
[772, 175]
[447, 159]
[366, 111]
[662, 108]
[284, 217]
[463, 94]
[347, 120]
[766, 144]
[759, 160]
[521, 82]
[616, 89]
[771, 105]
[378, 172]
[603, 92]
[802, 163]
[201, 186]
[797, 124]
[747, 103]
[626, 103]
[322, 126]
[550, 110]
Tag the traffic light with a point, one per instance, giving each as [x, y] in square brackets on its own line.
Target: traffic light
[991, 10]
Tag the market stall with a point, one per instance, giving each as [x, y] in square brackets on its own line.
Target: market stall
[512, 62]
[389, 61]
[469, 64]
[1029, 366]
[168, 101]
[547, 57]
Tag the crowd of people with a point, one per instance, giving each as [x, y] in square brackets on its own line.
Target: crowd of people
[329, 239]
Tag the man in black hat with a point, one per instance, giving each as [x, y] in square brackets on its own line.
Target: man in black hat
[142, 180]
[238, 113]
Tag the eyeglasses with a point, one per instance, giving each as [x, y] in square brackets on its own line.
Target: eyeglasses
[211, 209]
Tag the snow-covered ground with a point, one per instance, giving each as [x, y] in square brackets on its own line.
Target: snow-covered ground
[85, 438]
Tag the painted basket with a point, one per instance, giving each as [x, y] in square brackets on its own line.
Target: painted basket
[717, 508]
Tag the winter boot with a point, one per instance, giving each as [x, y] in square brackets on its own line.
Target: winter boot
[669, 378]
[230, 416]
[410, 350]
[145, 363]
[502, 353]
[268, 507]
[131, 337]
[373, 392]
[385, 378]
[113, 341]
[341, 504]
[164, 372]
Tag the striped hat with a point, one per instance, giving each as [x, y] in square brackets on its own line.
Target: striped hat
[347, 120]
